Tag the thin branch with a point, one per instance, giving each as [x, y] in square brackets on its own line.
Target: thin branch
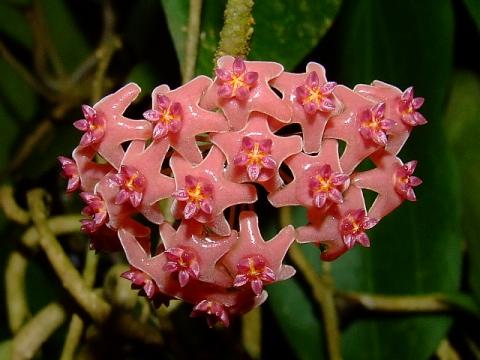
[23, 72]
[76, 326]
[10, 207]
[29, 339]
[58, 225]
[191, 45]
[323, 292]
[237, 29]
[95, 306]
[16, 298]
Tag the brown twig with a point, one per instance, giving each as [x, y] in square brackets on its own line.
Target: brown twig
[95, 306]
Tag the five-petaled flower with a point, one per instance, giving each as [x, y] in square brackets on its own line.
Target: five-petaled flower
[315, 97]
[95, 210]
[253, 270]
[236, 83]
[327, 185]
[132, 185]
[374, 126]
[353, 226]
[93, 125]
[255, 155]
[214, 311]
[142, 281]
[198, 195]
[408, 107]
[405, 182]
[70, 171]
[167, 118]
[184, 262]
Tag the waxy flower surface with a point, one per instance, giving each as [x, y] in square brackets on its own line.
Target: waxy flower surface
[194, 166]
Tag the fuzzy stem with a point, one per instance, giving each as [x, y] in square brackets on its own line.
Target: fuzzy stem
[191, 45]
[17, 306]
[95, 306]
[10, 207]
[237, 29]
[323, 292]
[37, 331]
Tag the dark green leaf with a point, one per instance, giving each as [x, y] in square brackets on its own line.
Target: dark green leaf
[8, 132]
[14, 24]
[295, 314]
[212, 20]
[17, 96]
[144, 75]
[287, 31]
[473, 7]
[417, 248]
[66, 36]
[461, 125]
[176, 13]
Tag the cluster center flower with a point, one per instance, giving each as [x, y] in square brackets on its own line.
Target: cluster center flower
[184, 262]
[132, 184]
[198, 195]
[255, 155]
[314, 96]
[168, 117]
[236, 83]
[326, 185]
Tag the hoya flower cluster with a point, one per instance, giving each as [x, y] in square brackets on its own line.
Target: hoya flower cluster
[205, 144]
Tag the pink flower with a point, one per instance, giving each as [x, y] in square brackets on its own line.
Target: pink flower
[353, 226]
[236, 83]
[132, 185]
[93, 125]
[198, 195]
[253, 270]
[167, 119]
[408, 107]
[374, 126]
[315, 97]
[141, 280]
[184, 262]
[214, 311]
[405, 182]
[255, 155]
[70, 171]
[326, 185]
[96, 210]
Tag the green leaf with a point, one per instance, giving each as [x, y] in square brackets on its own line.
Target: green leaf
[461, 125]
[287, 31]
[417, 248]
[17, 96]
[144, 75]
[65, 34]
[8, 133]
[177, 11]
[14, 24]
[473, 7]
[296, 317]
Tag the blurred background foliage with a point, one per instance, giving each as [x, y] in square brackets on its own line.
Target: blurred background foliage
[56, 55]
